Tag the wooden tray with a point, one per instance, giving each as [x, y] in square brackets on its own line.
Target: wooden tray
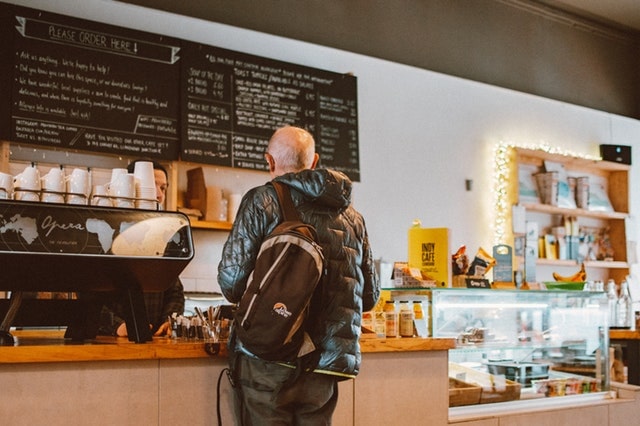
[494, 388]
[462, 393]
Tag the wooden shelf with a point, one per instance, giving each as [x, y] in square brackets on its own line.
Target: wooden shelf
[210, 225]
[536, 156]
[548, 209]
[614, 176]
[615, 264]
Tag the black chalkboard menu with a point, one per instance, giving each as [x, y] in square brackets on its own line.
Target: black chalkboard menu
[90, 86]
[72, 83]
[232, 102]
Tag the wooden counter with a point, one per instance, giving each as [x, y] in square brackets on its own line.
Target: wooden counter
[50, 346]
[47, 380]
[624, 334]
[629, 341]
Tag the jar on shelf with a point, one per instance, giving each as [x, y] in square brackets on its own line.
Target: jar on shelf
[391, 318]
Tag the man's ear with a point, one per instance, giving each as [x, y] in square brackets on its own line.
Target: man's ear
[316, 158]
[271, 162]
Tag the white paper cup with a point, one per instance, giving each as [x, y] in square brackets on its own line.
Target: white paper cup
[143, 171]
[146, 205]
[76, 199]
[6, 183]
[123, 203]
[78, 182]
[29, 179]
[100, 197]
[50, 197]
[26, 195]
[117, 172]
[123, 187]
[54, 181]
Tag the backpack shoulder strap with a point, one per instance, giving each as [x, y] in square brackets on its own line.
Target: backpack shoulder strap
[286, 203]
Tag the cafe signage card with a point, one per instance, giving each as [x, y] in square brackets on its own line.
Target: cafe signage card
[429, 253]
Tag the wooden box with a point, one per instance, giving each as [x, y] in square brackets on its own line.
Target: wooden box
[494, 388]
[462, 393]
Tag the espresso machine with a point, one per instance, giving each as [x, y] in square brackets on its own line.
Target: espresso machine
[93, 252]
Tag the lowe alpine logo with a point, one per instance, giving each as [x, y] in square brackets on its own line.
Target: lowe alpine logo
[281, 309]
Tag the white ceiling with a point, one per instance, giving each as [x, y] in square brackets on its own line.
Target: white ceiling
[624, 13]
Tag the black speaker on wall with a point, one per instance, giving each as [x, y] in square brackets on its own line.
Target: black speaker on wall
[616, 153]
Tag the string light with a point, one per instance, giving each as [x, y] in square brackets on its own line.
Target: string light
[503, 169]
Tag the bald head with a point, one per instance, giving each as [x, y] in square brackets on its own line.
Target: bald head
[291, 149]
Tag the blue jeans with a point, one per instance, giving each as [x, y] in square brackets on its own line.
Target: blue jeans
[269, 394]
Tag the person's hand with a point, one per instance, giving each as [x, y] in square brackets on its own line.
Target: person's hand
[164, 329]
[122, 329]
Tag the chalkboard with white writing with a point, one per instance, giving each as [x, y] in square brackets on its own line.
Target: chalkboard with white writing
[90, 86]
[232, 102]
[71, 83]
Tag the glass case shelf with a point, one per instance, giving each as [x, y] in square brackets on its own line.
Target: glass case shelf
[535, 340]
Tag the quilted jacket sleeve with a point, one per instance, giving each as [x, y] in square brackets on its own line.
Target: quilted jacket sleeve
[258, 214]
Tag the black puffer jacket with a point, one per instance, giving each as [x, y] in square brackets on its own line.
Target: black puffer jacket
[323, 198]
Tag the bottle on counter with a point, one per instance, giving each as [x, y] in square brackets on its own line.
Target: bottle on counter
[391, 319]
[612, 298]
[380, 324]
[368, 320]
[406, 319]
[420, 321]
[624, 307]
[417, 310]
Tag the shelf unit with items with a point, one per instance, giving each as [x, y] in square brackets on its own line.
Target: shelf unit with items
[208, 184]
[596, 225]
[519, 345]
[14, 157]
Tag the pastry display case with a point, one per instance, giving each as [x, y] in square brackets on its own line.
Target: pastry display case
[517, 344]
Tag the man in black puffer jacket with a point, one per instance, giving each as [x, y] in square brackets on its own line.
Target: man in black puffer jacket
[323, 199]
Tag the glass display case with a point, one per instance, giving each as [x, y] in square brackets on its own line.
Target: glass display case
[515, 344]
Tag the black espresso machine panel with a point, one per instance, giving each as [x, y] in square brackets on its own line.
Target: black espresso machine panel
[92, 251]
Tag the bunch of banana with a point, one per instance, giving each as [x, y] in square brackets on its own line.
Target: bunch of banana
[580, 276]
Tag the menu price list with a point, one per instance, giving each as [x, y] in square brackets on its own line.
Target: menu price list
[85, 85]
[232, 102]
[90, 86]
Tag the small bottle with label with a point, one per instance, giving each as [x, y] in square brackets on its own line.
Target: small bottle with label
[391, 319]
[418, 316]
[406, 319]
[417, 309]
[380, 324]
[624, 307]
[368, 320]
[612, 298]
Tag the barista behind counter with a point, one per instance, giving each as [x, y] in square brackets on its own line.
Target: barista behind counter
[160, 305]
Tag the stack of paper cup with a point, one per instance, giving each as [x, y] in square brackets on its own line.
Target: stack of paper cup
[100, 197]
[27, 184]
[78, 187]
[122, 190]
[53, 186]
[145, 185]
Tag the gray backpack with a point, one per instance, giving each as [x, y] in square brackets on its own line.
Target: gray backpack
[271, 319]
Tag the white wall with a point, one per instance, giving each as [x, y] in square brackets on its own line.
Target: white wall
[422, 134]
